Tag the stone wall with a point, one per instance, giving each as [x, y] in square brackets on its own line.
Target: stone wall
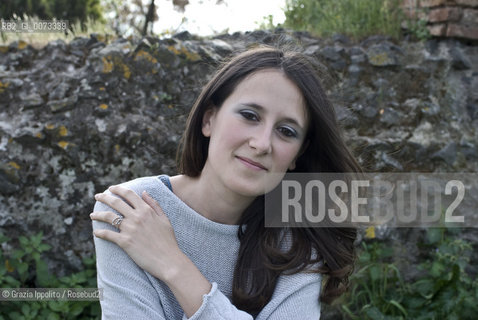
[77, 117]
[446, 18]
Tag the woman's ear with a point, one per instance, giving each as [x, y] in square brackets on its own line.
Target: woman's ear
[300, 153]
[292, 165]
[207, 121]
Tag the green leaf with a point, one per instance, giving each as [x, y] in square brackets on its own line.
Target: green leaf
[36, 256]
[349, 312]
[375, 273]
[3, 238]
[22, 268]
[374, 314]
[435, 235]
[399, 307]
[23, 241]
[76, 309]
[43, 277]
[455, 273]
[25, 309]
[44, 247]
[437, 269]
[415, 302]
[58, 306]
[425, 288]
[36, 239]
[11, 282]
[15, 315]
[18, 254]
[53, 316]
[89, 262]
[387, 252]
[364, 257]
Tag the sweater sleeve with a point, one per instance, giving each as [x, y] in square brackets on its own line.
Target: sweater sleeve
[295, 298]
[127, 291]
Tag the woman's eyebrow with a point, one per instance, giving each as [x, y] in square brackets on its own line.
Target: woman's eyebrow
[260, 108]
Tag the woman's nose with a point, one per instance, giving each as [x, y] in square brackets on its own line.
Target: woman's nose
[261, 141]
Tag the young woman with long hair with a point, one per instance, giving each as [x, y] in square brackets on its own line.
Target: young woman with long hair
[194, 246]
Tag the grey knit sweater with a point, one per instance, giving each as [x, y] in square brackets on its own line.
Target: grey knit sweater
[129, 292]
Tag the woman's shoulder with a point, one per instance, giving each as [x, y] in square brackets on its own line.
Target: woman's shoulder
[147, 183]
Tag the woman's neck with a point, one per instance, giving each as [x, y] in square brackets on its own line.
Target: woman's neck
[210, 199]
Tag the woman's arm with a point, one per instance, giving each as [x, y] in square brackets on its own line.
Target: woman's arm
[295, 298]
[127, 290]
[188, 285]
[148, 238]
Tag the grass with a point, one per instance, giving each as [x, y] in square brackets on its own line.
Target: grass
[40, 39]
[442, 290]
[24, 267]
[354, 18]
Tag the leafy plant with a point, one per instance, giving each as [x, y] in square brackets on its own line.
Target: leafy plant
[444, 289]
[266, 23]
[24, 268]
[76, 10]
[76, 29]
[378, 287]
[418, 29]
[355, 18]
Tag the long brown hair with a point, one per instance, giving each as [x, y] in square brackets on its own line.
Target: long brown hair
[260, 261]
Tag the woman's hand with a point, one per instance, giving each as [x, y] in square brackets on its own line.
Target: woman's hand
[147, 236]
[145, 233]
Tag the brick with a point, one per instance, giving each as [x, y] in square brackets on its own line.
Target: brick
[434, 3]
[410, 11]
[461, 31]
[470, 17]
[415, 14]
[468, 3]
[409, 4]
[437, 30]
[445, 14]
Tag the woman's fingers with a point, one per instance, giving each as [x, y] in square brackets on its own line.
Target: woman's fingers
[107, 235]
[129, 195]
[152, 203]
[120, 205]
[128, 200]
[107, 216]
[146, 234]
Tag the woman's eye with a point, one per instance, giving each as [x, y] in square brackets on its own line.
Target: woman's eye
[288, 132]
[249, 115]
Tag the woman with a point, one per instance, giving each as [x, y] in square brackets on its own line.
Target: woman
[194, 246]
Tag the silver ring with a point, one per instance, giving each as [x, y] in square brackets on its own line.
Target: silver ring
[117, 221]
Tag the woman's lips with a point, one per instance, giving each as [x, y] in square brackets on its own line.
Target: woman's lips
[252, 164]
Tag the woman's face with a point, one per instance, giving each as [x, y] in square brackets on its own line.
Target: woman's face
[256, 135]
